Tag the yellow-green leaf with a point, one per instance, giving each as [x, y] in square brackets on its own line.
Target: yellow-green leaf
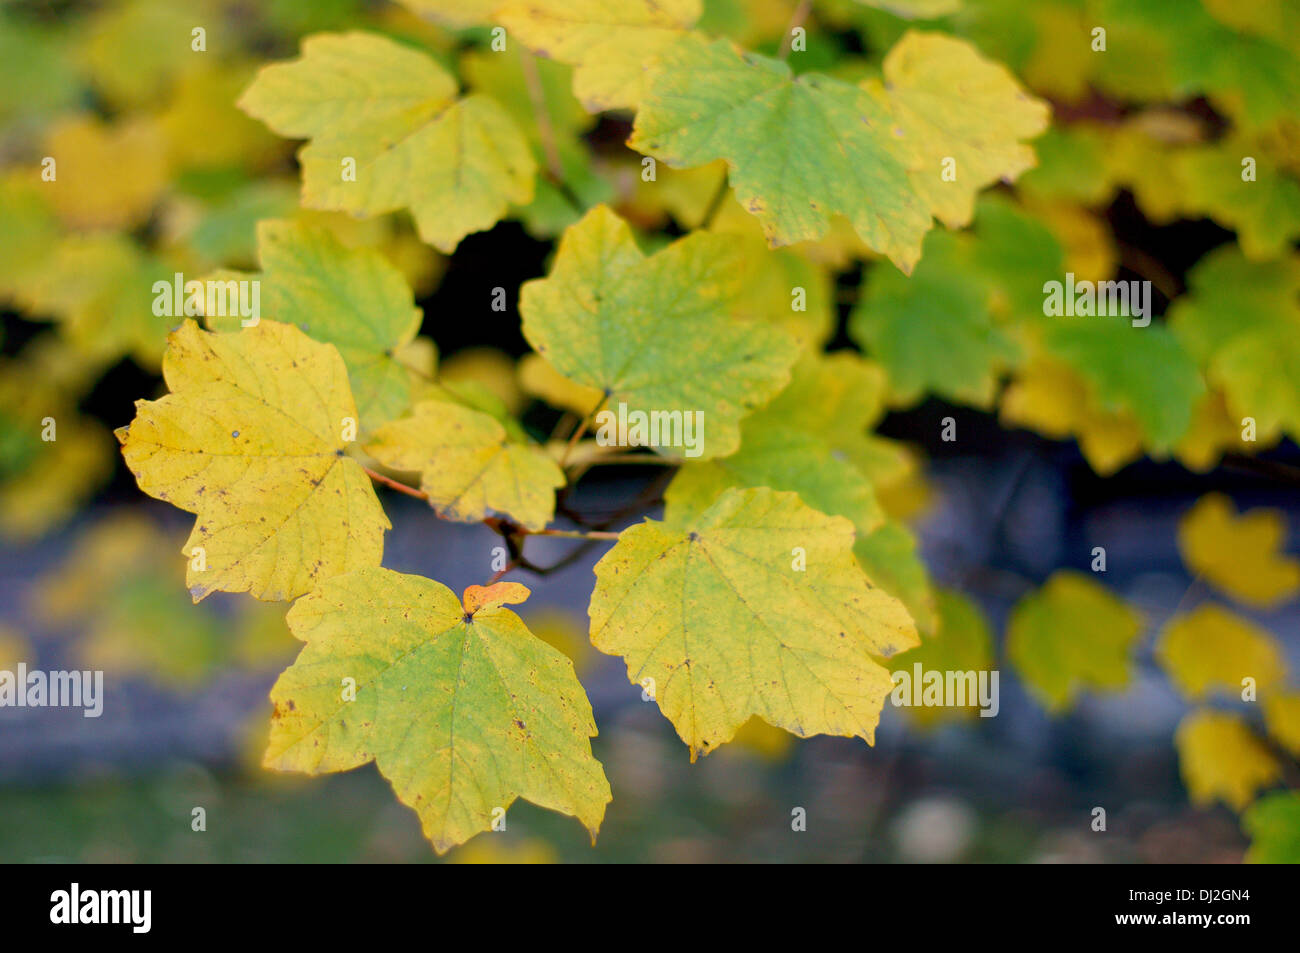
[609, 318]
[351, 298]
[719, 616]
[1240, 554]
[390, 110]
[469, 466]
[251, 440]
[462, 713]
[1070, 635]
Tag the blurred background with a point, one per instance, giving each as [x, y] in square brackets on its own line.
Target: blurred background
[159, 172]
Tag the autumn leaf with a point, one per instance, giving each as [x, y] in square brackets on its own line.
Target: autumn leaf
[1070, 635]
[803, 148]
[609, 42]
[953, 105]
[799, 148]
[718, 614]
[1273, 823]
[609, 318]
[1282, 718]
[1211, 649]
[462, 713]
[1222, 760]
[351, 298]
[1241, 321]
[250, 439]
[392, 112]
[791, 444]
[1239, 554]
[469, 466]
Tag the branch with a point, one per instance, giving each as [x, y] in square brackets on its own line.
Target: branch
[800, 15]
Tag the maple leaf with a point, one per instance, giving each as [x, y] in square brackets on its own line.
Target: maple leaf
[351, 298]
[717, 614]
[1069, 635]
[889, 557]
[609, 42]
[1273, 823]
[469, 466]
[609, 318]
[463, 711]
[1241, 320]
[250, 439]
[1282, 718]
[1240, 554]
[1211, 648]
[799, 148]
[791, 444]
[802, 148]
[953, 104]
[1222, 759]
[457, 164]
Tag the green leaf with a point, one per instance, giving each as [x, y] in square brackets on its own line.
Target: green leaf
[462, 711]
[1143, 370]
[610, 318]
[457, 164]
[1070, 635]
[1273, 823]
[803, 148]
[1241, 320]
[469, 466]
[791, 445]
[960, 641]
[799, 148]
[718, 615]
[351, 298]
[934, 332]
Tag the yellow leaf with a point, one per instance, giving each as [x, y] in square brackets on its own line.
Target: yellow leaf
[108, 176]
[538, 378]
[14, 648]
[1282, 718]
[953, 104]
[1239, 554]
[1221, 759]
[1212, 649]
[609, 42]
[469, 466]
[251, 439]
[718, 615]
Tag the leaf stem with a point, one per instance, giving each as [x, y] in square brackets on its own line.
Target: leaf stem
[554, 170]
[395, 485]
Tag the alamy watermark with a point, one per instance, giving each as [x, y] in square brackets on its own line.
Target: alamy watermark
[683, 429]
[946, 689]
[37, 689]
[1124, 299]
[214, 298]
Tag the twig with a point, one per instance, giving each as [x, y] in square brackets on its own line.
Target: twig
[800, 14]
[715, 203]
